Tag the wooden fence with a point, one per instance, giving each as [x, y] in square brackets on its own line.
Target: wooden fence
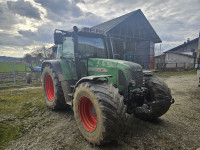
[8, 77]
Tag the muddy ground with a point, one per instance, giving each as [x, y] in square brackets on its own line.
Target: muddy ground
[179, 128]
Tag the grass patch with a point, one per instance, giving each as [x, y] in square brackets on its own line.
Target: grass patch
[8, 132]
[165, 74]
[9, 68]
[19, 84]
[16, 107]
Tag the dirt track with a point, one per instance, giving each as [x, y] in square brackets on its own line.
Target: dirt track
[179, 128]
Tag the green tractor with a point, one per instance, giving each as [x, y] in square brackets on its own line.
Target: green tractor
[100, 89]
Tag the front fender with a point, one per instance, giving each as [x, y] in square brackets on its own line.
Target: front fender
[90, 78]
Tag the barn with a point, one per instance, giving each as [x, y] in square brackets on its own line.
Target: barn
[131, 37]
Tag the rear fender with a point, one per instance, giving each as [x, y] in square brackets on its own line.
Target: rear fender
[56, 67]
[64, 83]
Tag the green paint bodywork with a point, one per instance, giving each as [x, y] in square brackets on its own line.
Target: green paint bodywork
[96, 66]
[111, 66]
[68, 69]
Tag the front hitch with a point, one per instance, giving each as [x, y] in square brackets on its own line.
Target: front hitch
[150, 106]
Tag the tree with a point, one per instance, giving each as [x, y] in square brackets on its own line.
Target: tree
[28, 58]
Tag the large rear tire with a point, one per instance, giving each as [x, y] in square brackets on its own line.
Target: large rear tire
[53, 92]
[99, 111]
[158, 90]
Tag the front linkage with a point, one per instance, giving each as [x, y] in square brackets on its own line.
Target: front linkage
[148, 101]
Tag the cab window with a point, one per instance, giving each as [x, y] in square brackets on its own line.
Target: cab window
[91, 47]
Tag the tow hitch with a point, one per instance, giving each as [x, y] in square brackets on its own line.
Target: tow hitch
[150, 106]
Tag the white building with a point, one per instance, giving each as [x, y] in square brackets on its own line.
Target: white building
[174, 61]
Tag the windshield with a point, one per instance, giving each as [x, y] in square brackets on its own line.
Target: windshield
[91, 47]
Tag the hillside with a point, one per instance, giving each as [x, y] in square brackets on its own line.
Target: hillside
[5, 58]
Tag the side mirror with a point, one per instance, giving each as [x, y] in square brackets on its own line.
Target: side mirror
[58, 38]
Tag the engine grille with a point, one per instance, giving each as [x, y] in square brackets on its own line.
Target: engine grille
[121, 78]
[137, 73]
[138, 76]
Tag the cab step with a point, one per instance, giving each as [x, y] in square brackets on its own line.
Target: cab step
[70, 94]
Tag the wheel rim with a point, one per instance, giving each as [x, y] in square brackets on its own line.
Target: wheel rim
[87, 114]
[49, 88]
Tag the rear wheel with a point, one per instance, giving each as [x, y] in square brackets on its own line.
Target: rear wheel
[158, 91]
[53, 93]
[99, 111]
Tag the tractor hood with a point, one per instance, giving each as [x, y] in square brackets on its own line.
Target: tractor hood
[114, 63]
[120, 70]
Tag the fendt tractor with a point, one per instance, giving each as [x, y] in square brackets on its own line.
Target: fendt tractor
[99, 88]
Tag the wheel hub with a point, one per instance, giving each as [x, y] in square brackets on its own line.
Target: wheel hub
[49, 88]
[87, 114]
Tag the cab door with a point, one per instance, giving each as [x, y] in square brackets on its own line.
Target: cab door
[67, 58]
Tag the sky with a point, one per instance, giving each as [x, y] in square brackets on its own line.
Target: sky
[28, 25]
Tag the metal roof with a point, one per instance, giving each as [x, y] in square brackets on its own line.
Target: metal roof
[108, 25]
[178, 53]
[184, 44]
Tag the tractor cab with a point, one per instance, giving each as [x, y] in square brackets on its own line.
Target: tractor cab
[78, 46]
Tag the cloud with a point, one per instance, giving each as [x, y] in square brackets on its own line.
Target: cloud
[58, 10]
[29, 24]
[27, 33]
[23, 8]
[172, 20]
[7, 19]
[14, 40]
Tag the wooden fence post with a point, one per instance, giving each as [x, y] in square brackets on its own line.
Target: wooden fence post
[14, 77]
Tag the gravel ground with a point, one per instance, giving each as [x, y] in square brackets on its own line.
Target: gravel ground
[179, 128]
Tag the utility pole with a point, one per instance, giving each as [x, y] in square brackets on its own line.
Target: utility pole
[197, 65]
[160, 49]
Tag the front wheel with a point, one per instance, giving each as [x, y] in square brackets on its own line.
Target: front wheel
[157, 91]
[98, 110]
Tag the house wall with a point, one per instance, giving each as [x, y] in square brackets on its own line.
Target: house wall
[174, 62]
[160, 59]
[177, 58]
